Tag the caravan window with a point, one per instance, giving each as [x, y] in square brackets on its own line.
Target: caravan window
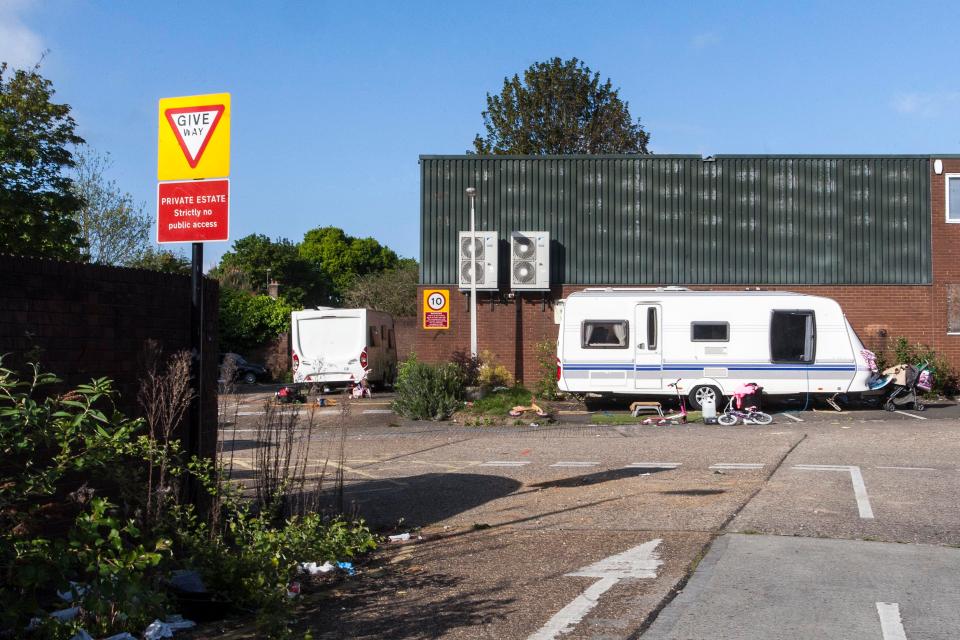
[793, 337]
[391, 343]
[710, 331]
[373, 337]
[605, 334]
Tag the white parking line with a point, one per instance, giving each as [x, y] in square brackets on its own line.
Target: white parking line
[377, 411]
[912, 415]
[732, 466]
[792, 417]
[574, 463]
[859, 488]
[653, 465]
[891, 625]
[910, 468]
[505, 463]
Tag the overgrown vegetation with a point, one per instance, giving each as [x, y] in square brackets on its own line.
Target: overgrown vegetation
[500, 403]
[545, 385]
[945, 380]
[90, 506]
[493, 374]
[428, 392]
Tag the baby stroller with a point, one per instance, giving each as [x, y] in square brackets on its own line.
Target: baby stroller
[908, 382]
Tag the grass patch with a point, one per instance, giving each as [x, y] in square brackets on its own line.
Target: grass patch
[626, 418]
[499, 403]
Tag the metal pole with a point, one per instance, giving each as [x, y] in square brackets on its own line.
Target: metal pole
[472, 194]
[197, 336]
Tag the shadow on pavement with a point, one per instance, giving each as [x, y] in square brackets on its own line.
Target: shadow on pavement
[419, 500]
[693, 492]
[599, 477]
[240, 444]
[403, 604]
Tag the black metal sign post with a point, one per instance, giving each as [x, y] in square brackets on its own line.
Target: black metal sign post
[197, 339]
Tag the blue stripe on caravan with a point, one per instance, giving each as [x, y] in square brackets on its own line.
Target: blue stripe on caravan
[700, 367]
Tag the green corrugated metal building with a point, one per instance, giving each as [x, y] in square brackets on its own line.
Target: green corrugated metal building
[689, 220]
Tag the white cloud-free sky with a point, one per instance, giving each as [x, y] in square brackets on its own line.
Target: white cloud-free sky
[334, 101]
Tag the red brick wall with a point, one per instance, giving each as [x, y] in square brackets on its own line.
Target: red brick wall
[918, 312]
[405, 331]
[89, 321]
[946, 265]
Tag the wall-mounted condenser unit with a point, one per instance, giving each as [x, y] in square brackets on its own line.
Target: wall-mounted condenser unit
[478, 260]
[530, 260]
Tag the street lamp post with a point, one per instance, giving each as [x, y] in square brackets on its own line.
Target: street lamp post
[472, 194]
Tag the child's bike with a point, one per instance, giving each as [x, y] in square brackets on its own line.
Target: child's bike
[747, 415]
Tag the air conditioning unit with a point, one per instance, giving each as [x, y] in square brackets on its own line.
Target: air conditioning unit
[530, 260]
[478, 259]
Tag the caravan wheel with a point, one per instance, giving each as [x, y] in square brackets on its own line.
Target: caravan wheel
[704, 392]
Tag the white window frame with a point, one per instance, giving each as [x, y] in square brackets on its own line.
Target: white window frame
[946, 186]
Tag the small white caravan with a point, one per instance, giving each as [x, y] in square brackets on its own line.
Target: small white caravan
[637, 341]
[335, 347]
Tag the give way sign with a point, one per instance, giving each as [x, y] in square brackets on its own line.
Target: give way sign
[194, 137]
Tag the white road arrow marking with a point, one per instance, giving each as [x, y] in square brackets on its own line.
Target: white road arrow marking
[859, 488]
[890, 623]
[639, 562]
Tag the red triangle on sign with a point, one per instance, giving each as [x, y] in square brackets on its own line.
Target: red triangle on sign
[193, 127]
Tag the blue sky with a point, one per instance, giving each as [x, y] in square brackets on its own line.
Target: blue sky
[334, 102]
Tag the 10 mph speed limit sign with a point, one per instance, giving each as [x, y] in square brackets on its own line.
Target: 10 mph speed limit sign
[436, 309]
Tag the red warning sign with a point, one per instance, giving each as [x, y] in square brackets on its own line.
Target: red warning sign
[193, 211]
[193, 127]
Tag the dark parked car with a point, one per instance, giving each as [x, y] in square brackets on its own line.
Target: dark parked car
[245, 371]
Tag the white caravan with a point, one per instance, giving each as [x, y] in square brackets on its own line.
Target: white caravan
[637, 341]
[335, 347]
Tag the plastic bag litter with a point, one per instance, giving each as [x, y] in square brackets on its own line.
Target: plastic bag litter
[122, 636]
[402, 537]
[75, 592]
[313, 568]
[66, 614]
[347, 566]
[165, 628]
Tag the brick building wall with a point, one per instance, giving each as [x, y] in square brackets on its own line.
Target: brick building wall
[83, 321]
[510, 330]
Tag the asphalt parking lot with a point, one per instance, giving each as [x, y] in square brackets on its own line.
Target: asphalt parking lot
[577, 530]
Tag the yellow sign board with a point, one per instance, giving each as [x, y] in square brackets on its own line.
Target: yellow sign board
[194, 137]
[436, 308]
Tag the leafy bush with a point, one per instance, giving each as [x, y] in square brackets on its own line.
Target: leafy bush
[425, 392]
[252, 561]
[248, 321]
[545, 385]
[469, 367]
[944, 377]
[74, 492]
[58, 452]
[493, 375]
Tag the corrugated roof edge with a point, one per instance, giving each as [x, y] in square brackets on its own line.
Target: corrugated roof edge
[572, 156]
[671, 156]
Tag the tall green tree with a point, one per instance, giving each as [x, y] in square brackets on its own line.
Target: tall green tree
[162, 260]
[393, 290]
[560, 107]
[37, 205]
[114, 227]
[255, 259]
[345, 258]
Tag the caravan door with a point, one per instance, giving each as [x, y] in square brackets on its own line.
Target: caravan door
[648, 354]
